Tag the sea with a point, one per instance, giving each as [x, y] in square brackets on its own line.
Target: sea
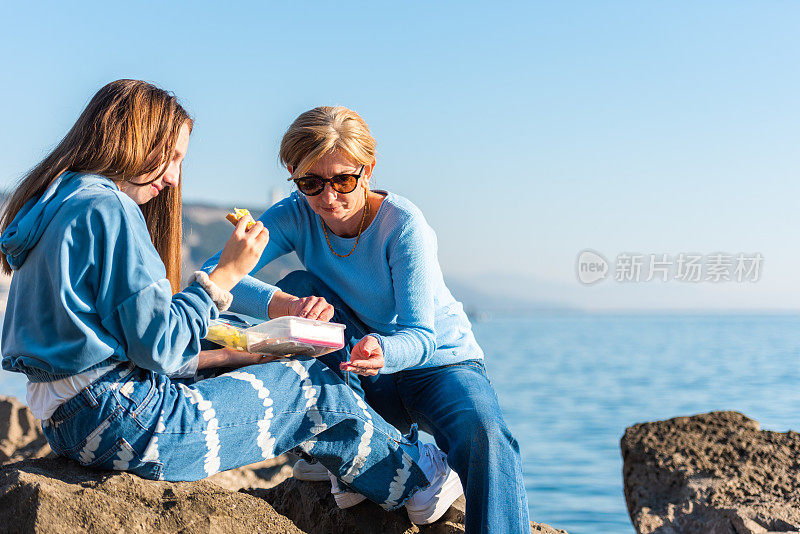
[570, 383]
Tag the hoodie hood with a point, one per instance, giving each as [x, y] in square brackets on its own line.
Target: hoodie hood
[35, 216]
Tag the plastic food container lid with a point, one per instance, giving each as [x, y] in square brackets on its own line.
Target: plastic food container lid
[303, 330]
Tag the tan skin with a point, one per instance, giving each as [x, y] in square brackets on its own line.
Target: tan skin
[342, 214]
[239, 256]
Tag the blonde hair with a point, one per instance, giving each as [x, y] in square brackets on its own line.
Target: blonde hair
[128, 129]
[322, 130]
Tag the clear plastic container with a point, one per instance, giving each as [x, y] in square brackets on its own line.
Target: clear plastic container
[284, 336]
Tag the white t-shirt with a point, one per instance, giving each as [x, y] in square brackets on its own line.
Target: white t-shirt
[44, 398]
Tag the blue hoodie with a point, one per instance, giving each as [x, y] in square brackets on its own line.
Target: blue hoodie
[89, 288]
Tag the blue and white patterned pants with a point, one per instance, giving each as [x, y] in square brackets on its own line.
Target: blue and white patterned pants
[136, 420]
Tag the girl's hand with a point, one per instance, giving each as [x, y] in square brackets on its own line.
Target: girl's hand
[226, 357]
[241, 253]
[366, 358]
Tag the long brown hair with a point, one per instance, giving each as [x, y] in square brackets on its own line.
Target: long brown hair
[128, 129]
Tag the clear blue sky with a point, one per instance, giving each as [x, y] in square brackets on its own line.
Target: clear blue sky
[526, 132]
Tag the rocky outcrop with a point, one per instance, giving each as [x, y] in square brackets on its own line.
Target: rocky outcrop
[20, 433]
[256, 476]
[53, 495]
[5, 286]
[712, 473]
[43, 494]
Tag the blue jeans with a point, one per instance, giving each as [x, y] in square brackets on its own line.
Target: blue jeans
[454, 403]
[136, 420]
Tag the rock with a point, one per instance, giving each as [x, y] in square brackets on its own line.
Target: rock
[260, 475]
[20, 432]
[55, 495]
[311, 507]
[711, 473]
[545, 529]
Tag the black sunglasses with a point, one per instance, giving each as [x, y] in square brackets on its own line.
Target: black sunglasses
[311, 185]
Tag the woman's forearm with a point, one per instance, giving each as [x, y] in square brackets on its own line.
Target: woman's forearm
[406, 348]
[279, 304]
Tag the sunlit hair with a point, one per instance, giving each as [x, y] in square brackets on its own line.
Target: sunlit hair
[322, 130]
[128, 130]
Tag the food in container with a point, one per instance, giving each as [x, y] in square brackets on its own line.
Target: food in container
[284, 336]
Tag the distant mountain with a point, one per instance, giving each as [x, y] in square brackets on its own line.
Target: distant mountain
[481, 295]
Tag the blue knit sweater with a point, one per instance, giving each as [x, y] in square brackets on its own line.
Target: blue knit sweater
[392, 281]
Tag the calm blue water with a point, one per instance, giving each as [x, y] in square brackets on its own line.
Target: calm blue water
[570, 385]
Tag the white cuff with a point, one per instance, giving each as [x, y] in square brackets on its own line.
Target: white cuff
[187, 370]
[220, 297]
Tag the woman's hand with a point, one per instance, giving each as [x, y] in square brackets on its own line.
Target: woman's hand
[241, 253]
[226, 357]
[366, 358]
[309, 307]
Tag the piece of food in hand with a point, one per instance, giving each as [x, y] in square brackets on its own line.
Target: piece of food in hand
[237, 214]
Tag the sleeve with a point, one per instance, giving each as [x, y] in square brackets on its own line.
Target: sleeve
[413, 262]
[155, 329]
[188, 370]
[252, 296]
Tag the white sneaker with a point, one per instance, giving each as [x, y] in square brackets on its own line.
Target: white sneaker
[310, 471]
[428, 505]
[344, 497]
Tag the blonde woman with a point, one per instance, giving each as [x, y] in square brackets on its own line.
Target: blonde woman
[370, 260]
[110, 346]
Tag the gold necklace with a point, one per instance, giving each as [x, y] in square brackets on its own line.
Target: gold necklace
[360, 228]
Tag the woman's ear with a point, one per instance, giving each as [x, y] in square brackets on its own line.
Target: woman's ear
[365, 178]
